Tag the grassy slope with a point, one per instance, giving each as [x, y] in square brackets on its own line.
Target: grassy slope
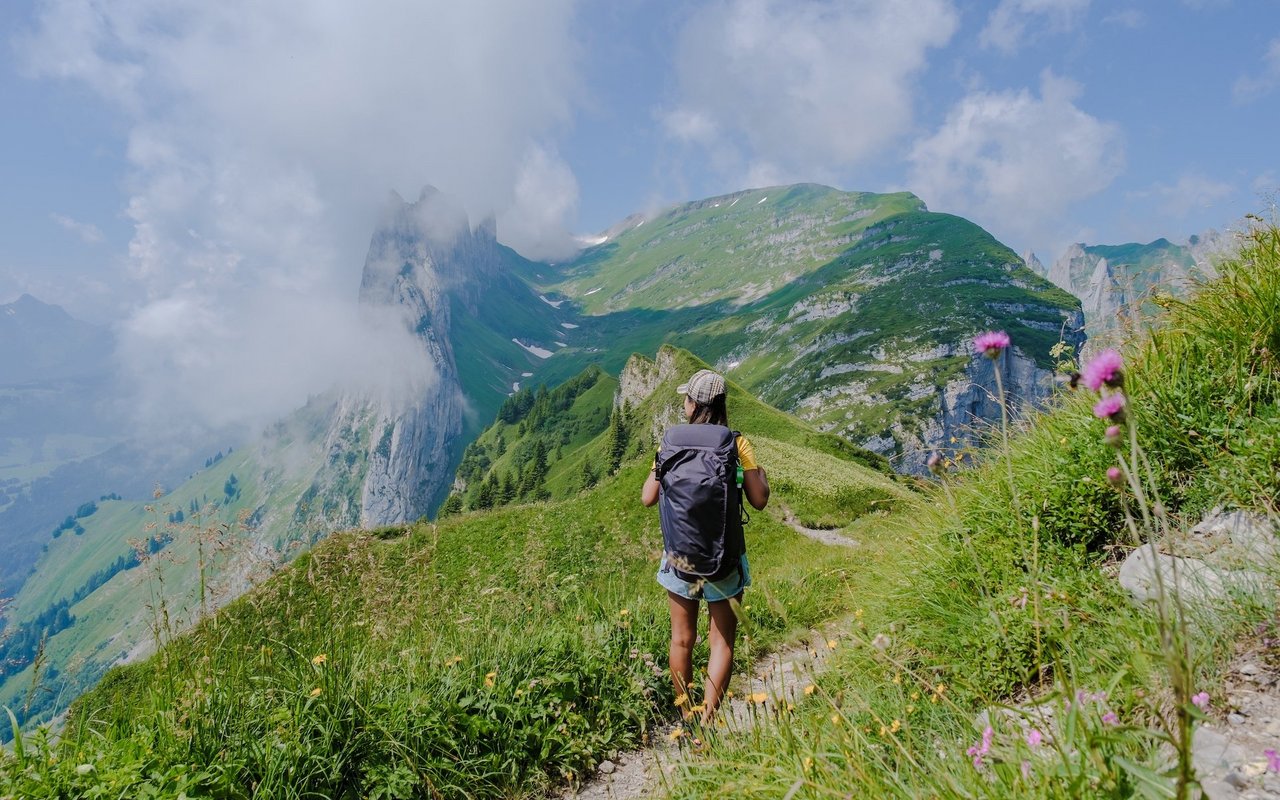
[949, 594]
[390, 616]
[820, 278]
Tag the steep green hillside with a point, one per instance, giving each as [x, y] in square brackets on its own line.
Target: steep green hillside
[848, 309]
[486, 655]
[553, 444]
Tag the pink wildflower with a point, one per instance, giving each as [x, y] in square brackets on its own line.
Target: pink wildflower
[1115, 477]
[1110, 718]
[979, 750]
[1110, 407]
[1034, 737]
[1201, 701]
[991, 343]
[1114, 436]
[1103, 370]
[1026, 770]
[1273, 760]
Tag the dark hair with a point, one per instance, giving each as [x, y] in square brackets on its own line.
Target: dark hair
[714, 412]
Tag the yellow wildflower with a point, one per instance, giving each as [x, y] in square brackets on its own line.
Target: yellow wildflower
[831, 644]
[683, 699]
[897, 678]
[315, 692]
[857, 614]
[896, 726]
[883, 730]
[915, 695]
[759, 697]
[810, 689]
[320, 659]
[808, 764]
[911, 709]
[452, 661]
[835, 719]
[624, 612]
[675, 734]
[488, 678]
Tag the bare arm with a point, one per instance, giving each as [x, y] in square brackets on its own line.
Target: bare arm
[649, 494]
[755, 485]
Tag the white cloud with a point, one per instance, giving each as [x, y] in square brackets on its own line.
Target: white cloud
[546, 194]
[1191, 191]
[1014, 23]
[88, 232]
[1130, 18]
[1014, 162]
[798, 90]
[262, 139]
[1252, 87]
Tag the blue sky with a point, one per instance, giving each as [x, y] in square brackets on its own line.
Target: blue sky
[176, 167]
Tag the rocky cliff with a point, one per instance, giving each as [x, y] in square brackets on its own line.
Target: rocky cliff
[1114, 282]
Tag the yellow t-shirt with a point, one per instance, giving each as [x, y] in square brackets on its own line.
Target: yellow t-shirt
[746, 455]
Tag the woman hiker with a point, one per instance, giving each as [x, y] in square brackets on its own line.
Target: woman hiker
[704, 404]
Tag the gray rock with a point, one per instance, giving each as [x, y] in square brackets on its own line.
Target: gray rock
[1235, 719]
[607, 767]
[1236, 780]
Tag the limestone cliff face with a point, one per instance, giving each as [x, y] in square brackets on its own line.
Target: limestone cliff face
[393, 455]
[1114, 281]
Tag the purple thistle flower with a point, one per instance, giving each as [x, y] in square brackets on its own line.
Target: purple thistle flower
[1110, 718]
[1034, 737]
[1201, 701]
[1273, 760]
[1103, 370]
[1115, 477]
[1110, 407]
[1114, 437]
[991, 344]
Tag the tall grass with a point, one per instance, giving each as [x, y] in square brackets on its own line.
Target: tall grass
[492, 655]
[1005, 676]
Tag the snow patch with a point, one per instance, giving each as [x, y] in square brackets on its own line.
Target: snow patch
[593, 291]
[526, 374]
[552, 303]
[762, 199]
[515, 387]
[558, 344]
[591, 241]
[568, 325]
[537, 351]
[735, 202]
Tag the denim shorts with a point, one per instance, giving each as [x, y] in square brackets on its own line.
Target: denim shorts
[723, 589]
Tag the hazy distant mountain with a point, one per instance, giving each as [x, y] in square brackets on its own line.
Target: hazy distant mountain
[41, 342]
[1114, 282]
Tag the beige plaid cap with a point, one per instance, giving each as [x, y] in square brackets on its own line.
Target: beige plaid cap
[703, 387]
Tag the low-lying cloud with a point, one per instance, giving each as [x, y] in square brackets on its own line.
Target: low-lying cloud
[262, 139]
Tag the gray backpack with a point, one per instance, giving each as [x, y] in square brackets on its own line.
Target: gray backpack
[700, 505]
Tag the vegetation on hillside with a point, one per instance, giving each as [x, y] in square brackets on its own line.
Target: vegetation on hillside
[488, 655]
[1000, 595]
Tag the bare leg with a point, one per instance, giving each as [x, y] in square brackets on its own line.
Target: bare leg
[684, 634]
[724, 629]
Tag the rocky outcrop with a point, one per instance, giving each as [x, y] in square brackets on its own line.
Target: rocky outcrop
[423, 258]
[1113, 281]
[968, 407]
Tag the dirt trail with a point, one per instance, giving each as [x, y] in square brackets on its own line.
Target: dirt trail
[817, 534]
[777, 680]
